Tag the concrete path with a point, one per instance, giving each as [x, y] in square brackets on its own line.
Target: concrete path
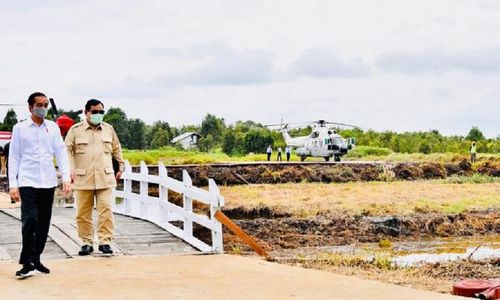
[138, 275]
[193, 277]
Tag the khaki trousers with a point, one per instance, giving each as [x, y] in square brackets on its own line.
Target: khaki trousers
[84, 222]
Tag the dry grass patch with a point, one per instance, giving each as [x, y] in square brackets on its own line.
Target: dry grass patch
[368, 198]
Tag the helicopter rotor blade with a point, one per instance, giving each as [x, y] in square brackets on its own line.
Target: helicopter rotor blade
[11, 104]
[343, 124]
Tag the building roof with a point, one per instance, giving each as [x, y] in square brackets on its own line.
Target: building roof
[183, 136]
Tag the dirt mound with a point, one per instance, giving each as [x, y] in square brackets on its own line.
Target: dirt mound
[489, 168]
[327, 173]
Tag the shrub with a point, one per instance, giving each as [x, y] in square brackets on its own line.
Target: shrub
[362, 151]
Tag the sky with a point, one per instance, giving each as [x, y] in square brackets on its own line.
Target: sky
[383, 65]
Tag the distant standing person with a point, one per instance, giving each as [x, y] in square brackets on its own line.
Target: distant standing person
[269, 152]
[33, 178]
[92, 144]
[288, 151]
[278, 158]
[473, 152]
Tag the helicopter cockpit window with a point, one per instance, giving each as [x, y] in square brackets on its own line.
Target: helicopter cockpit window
[315, 134]
[338, 141]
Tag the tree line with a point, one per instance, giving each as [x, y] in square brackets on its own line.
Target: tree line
[245, 137]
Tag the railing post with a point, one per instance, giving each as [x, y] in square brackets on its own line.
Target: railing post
[127, 188]
[143, 191]
[164, 213]
[188, 206]
[216, 203]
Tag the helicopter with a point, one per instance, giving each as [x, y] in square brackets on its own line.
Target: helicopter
[324, 141]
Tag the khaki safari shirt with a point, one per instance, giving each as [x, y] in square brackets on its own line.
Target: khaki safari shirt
[90, 151]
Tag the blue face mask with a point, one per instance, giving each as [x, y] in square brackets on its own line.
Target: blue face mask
[40, 112]
[96, 119]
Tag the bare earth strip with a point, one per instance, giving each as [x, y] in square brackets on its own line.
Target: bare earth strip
[374, 198]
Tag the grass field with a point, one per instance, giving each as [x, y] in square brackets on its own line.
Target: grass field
[174, 156]
[371, 198]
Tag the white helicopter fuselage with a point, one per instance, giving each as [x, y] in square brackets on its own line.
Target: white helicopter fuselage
[322, 142]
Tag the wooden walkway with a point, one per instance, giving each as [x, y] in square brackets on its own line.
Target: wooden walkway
[132, 236]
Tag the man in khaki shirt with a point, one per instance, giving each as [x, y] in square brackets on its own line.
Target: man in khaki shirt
[91, 146]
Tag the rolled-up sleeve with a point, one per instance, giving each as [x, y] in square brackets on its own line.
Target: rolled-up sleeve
[14, 157]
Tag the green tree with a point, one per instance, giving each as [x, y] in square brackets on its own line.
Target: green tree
[118, 119]
[137, 134]
[425, 148]
[160, 139]
[475, 135]
[257, 140]
[9, 121]
[207, 143]
[229, 142]
[211, 125]
[166, 135]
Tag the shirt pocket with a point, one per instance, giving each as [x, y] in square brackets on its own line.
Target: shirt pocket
[82, 145]
[80, 172]
[107, 144]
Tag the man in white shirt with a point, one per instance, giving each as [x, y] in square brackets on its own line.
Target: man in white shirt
[288, 151]
[33, 178]
[269, 151]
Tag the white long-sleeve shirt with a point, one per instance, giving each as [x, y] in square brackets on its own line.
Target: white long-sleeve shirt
[31, 155]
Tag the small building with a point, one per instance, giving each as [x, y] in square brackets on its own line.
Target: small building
[187, 140]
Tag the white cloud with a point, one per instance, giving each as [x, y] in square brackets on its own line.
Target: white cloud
[477, 61]
[388, 64]
[323, 63]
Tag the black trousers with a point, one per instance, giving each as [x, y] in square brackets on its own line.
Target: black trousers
[288, 157]
[36, 211]
[268, 156]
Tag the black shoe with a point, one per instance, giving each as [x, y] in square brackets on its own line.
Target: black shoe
[106, 249]
[41, 268]
[27, 271]
[86, 250]
[12, 201]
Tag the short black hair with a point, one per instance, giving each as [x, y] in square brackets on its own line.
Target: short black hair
[92, 102]
[31, 98]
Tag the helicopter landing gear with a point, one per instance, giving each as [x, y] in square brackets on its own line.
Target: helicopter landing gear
[327, 158]
[337, 158]
[302, 158]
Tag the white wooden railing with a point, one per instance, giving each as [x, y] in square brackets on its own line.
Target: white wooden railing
[160, 211]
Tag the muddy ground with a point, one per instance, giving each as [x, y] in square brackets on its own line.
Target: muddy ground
[292, 240]
[326, 172]
[283, 232]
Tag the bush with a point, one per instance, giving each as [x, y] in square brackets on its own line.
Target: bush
[362, 151]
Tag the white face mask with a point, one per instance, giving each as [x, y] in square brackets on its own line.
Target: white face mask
[96, 119]
[40, 112]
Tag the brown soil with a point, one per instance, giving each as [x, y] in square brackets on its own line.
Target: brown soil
[236, 174]
[337, 229]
